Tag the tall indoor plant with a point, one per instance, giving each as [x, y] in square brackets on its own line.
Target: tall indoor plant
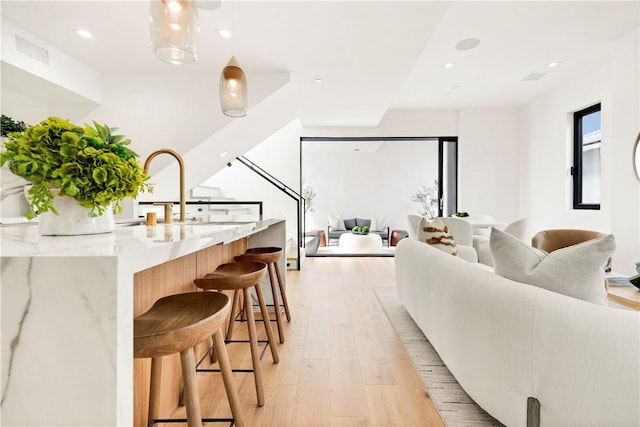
[89, 164]
[427, 197]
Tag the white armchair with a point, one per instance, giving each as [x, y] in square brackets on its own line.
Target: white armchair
[516, 228]
[414, 221]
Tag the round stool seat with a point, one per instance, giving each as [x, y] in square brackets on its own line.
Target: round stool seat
[267, 255]
[237, 275]
[178, 322]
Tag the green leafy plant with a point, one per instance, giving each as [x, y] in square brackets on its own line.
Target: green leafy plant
[308, 194]
[360, 230]
[8, 125]
[90, 164]
[461, 214]
[427, 197]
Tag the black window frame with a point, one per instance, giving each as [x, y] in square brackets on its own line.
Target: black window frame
[576, 170]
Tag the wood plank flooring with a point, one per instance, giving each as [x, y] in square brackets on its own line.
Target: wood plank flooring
[342, 363]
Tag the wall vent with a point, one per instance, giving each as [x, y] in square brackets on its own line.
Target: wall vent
[31, 50]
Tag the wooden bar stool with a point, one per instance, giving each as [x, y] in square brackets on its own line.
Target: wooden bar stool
[270, 256]
[242, 276]
[175, 324]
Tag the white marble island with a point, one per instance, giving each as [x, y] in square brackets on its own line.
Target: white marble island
[67, 308]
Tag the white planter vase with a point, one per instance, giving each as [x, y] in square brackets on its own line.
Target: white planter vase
[74, 219]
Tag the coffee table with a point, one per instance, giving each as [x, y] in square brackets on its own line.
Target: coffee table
[623, 292]
[360, 243]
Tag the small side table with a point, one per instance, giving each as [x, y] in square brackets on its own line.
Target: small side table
[622, 291]
[397, 235]
[323, 237]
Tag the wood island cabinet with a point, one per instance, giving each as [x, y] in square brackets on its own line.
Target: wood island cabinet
[173, 277]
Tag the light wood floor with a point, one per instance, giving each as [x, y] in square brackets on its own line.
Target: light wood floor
[342, 363]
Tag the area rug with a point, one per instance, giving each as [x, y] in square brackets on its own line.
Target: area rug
[336, 251]
[455, 406]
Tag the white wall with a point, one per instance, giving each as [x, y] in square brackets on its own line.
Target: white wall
[62, 72]
[278, 155]
[366, 184]
[28, 110]
[489, 146]
[487, 136]
[488, 152]
[546, 131]
[23, 108]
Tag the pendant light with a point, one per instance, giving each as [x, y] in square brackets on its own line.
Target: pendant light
[174, 30]
[233, 90]
[234, 99]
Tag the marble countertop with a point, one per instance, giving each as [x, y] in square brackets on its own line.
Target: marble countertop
[142, 246]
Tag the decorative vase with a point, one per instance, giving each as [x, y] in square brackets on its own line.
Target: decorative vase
[74, 219]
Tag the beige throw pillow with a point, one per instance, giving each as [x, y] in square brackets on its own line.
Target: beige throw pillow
[377, 223]
[437, 234]
[336, 222]
[576, 271]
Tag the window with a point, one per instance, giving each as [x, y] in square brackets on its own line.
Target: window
[586, 158]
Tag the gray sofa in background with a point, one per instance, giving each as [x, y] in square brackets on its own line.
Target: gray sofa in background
[349, 223]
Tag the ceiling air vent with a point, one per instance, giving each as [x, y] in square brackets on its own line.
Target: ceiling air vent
[31, 50]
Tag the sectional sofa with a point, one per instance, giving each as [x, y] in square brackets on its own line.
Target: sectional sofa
[506, 342]
[334, 233]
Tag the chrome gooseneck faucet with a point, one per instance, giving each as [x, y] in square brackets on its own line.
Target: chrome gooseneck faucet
[181, 164]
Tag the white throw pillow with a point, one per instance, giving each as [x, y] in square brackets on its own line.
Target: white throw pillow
[377, 223]
[336, 222]
[436, 234]
[576, 271]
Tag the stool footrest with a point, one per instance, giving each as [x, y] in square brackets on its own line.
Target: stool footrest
[264, 350]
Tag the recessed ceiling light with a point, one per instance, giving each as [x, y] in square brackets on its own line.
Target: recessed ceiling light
[553, 64]
[533, 77]
[85, 34]
[223, 154]
[356, 149]
[449, 65]
[318, 80]
[467, 44]
[224, 33]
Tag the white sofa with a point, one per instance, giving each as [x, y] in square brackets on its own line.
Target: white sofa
[506, 341]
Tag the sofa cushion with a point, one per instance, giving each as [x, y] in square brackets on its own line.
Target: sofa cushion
[349, 223]
[336, 222]
[360, 222]
[576, 271]
[378, 223]
[435, 233]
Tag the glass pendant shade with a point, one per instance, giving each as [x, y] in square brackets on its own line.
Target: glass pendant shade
[233, 90]
[174, 30]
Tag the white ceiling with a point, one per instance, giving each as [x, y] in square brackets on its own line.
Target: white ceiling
[372, 55]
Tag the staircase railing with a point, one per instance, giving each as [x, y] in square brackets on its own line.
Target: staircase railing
[297, 197]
